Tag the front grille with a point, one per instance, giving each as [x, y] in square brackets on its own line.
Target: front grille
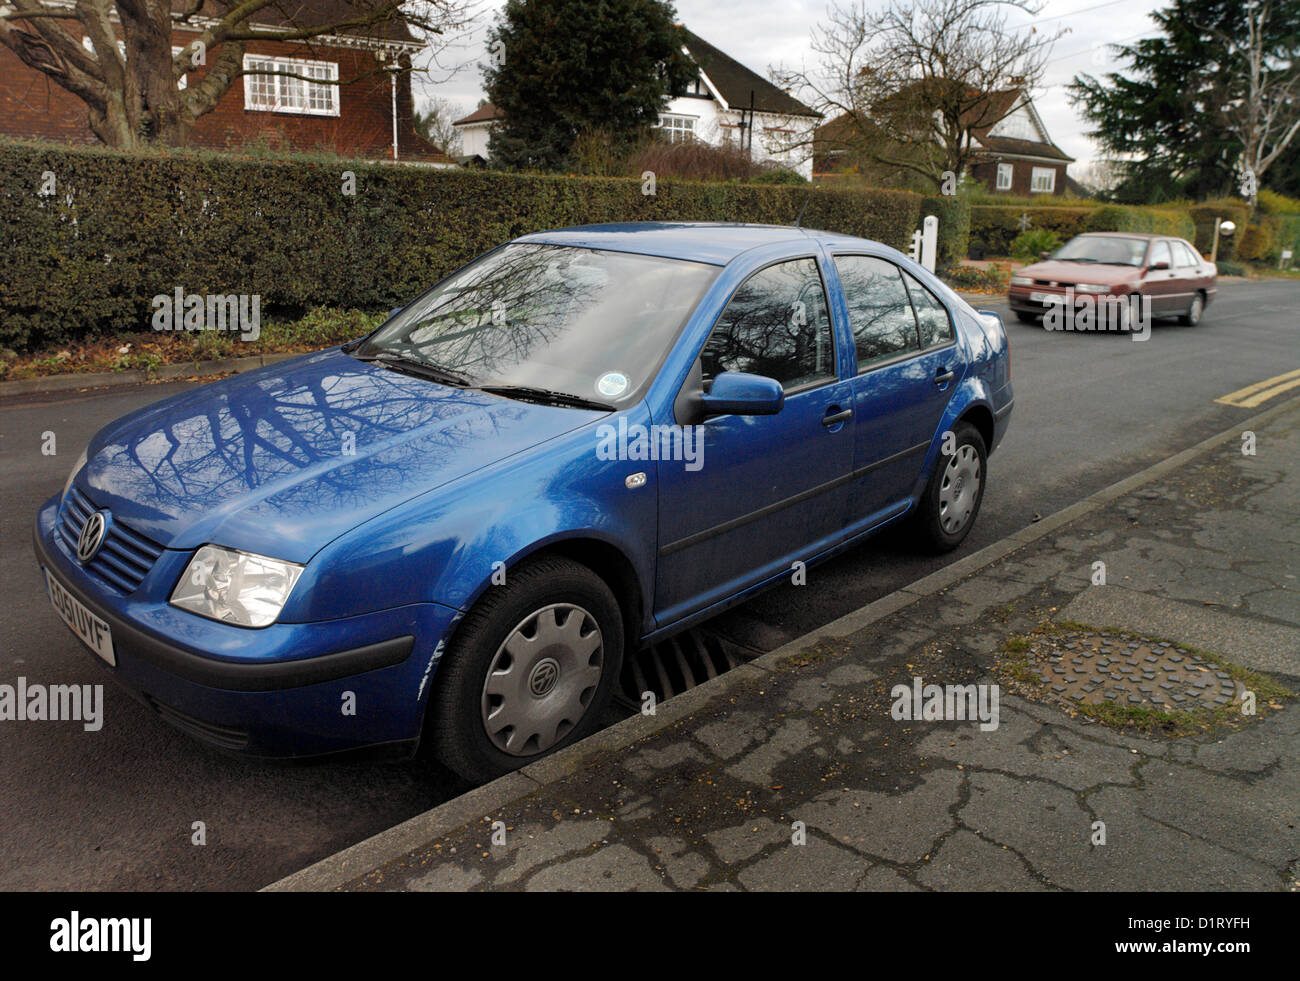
[126, 556]
[227, 737]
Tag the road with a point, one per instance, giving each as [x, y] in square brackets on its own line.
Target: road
[117, 809]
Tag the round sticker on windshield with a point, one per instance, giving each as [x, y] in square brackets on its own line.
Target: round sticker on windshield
[612, 384]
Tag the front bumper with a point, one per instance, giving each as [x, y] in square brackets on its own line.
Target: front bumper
[278, 691]
[1018, 298]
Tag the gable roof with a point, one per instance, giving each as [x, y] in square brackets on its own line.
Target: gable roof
[734, 82]
[483, 114]
[1004, 103]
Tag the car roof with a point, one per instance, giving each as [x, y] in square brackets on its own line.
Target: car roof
[712, 242]
[1144, 236]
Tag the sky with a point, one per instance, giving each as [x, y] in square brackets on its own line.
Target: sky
[764, 34]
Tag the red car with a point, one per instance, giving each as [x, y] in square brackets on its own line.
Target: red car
[1105, 265]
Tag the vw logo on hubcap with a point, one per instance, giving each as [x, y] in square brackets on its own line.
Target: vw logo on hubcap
[91, 538]
[544, 676]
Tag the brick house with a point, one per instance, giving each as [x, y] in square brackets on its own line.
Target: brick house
[1013, 156]
[370, 114]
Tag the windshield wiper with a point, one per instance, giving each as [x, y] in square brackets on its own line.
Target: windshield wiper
[420, 369]
[546, 396]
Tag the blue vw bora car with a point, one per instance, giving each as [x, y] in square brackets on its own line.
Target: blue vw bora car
[454, 529]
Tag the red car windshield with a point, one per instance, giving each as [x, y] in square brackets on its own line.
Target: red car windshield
[1112, 251]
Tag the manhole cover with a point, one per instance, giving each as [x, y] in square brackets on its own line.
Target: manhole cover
[1092, 667]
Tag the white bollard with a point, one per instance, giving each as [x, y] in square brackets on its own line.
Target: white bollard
[929, 241]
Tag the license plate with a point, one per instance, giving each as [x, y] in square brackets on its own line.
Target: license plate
[92, 630]
[1045, 297]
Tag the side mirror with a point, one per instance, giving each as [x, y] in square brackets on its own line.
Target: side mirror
[736, 393]
[1159, 265]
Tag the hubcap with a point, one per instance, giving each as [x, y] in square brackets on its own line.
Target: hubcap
[959, 489]
[542, 678]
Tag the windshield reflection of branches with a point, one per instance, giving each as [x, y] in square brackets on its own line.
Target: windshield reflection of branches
[522, 302]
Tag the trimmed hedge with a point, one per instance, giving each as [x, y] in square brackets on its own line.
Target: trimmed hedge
[1151, 221]
[1287, 237]
[122, 228]
[997, 226]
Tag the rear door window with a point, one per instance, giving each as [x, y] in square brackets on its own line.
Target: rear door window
[1184, 256]
[880, 311]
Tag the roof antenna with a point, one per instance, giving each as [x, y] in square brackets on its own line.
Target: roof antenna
[798, 222]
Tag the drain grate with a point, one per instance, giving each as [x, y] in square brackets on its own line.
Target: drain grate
[680, 663]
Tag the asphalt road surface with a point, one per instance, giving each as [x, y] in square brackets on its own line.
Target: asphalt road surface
[117, 809]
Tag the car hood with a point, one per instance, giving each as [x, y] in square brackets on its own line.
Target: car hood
[1068, 273]
[284, 459]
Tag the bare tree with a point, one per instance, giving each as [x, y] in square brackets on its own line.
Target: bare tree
[434, 123]
[1261, 99]
[910, 84]
[130, 83]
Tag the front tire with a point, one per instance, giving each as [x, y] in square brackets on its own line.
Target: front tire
[947, 510]
[530, 670]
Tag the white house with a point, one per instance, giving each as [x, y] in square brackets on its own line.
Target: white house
[475, 130]
[726, 103]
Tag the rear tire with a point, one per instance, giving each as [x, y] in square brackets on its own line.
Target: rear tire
[951, 501]
[1194, 311]
[530, 670]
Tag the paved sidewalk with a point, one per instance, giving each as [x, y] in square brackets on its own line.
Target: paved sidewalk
[792, 773]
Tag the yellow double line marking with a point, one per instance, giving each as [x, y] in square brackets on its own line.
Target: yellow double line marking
[1257, 394]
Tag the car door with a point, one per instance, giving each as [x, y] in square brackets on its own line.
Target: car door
[908, 366]
[770, 490]
[1162, 285]
[1192, 269]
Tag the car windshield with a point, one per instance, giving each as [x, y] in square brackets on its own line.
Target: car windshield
[586, 323]
[1114, 251]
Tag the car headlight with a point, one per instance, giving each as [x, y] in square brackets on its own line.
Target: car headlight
[235, 587]
[1092, 288]
[76, 469]
[1022, 281]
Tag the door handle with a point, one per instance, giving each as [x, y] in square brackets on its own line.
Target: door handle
[943, 376]
[832, 418]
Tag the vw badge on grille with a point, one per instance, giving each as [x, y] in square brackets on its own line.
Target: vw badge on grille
[92, 537]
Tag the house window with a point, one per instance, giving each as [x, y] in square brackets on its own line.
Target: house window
[677, 129]
[296, 90]
[1004, 177]
[1043, 180]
